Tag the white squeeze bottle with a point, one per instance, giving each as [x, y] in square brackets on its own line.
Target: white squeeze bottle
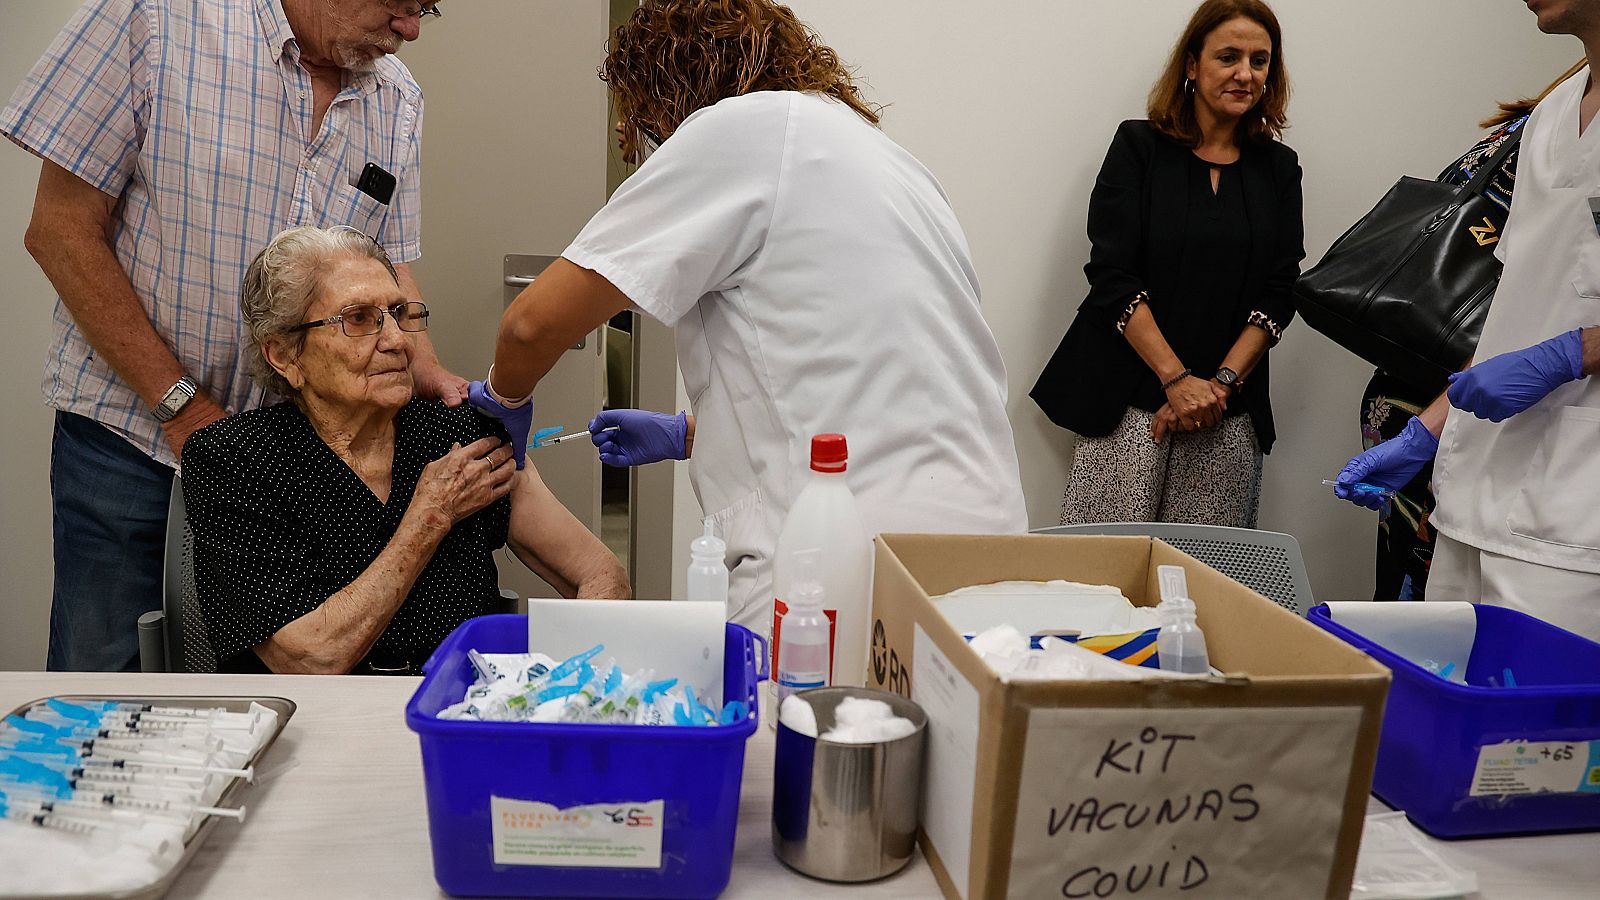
[807, 634]
[708, 568]
[1180, 645]
[824, 517]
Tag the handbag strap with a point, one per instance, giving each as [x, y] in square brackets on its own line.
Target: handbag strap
[1480, 180]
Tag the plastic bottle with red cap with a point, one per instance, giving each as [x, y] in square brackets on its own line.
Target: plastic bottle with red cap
[825, 518]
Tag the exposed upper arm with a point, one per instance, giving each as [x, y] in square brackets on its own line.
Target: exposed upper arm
[550, 539]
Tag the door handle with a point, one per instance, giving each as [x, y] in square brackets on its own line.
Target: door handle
[519, 281]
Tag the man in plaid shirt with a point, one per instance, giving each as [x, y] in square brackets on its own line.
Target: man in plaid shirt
[177, 137]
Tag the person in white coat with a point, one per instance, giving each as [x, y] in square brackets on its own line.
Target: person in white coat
[816, 278]
[1518, 479]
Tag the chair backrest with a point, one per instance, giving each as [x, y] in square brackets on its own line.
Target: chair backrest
[188, 644]
[1267, 562]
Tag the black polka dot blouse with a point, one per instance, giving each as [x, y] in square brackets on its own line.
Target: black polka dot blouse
[281, 523]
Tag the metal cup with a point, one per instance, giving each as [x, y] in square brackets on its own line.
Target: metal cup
[847, 812]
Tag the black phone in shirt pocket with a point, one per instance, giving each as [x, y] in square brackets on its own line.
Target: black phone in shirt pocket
[376, 182]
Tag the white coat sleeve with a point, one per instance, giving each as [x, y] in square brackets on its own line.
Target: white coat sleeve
[698, 210]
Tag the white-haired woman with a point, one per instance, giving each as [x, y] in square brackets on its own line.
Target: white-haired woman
[352, 527]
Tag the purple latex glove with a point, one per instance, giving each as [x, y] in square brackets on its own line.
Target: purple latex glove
[517, 420]
[641, 437]
[1390, 465]
[1502, 386]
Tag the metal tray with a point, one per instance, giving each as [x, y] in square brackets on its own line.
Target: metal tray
[158, 888]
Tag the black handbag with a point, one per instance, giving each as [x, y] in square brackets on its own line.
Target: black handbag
[1407, 287]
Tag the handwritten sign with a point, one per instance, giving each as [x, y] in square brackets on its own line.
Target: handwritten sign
[1545, 767]
[1216, 802]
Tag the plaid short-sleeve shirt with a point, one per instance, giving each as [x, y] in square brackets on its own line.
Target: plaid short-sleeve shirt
[197, 115]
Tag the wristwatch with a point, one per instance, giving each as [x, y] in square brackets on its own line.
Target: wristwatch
[1226, 377]
[176, 398]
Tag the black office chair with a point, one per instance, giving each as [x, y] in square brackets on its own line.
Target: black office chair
[1267, 562]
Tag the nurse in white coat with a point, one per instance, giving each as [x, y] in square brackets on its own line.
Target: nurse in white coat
[815, 276]
[1518, 459]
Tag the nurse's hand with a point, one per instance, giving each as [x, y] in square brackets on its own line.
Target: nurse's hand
[1502, 386]
[639, 437]
[518, 419]
[1391, 465]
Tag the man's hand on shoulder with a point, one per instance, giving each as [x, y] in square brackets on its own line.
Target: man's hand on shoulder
[195, 415]
[432, 381]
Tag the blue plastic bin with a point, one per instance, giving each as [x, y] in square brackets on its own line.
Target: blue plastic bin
[696, 771]
[1433, 728]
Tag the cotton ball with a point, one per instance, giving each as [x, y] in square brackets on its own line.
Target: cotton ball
[895, 729]
[846, 734]
[857, 710]
[1001, 640]
[798, 716]
[874, 731]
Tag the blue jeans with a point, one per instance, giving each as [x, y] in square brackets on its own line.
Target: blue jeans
[110, 504]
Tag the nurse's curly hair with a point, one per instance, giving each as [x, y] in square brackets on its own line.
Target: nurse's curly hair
[673, 57]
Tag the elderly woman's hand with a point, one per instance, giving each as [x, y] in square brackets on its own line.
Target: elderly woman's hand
[1195, 404]
[463, 481]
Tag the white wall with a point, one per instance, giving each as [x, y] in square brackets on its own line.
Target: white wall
[1012, 103]
[25, 570]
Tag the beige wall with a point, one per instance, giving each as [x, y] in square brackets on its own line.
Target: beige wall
[25, 434]
[1012, 104]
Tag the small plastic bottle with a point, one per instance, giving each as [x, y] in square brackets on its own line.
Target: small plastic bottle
[1180, 645]
[803, 659]
[708, 568]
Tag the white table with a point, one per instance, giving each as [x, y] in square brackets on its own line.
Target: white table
[338, 807]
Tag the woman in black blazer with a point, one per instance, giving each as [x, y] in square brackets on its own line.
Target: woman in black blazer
[1195, 222]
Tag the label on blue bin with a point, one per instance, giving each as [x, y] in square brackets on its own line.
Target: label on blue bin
[1537, 767]
[600, 835]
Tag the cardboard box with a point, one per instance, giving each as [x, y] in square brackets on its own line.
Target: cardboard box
[1252, 785]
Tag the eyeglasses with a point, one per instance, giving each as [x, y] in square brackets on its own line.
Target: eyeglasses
[425, 10]
[362, 319]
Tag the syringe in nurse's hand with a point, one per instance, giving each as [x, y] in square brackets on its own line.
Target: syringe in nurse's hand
[1361, 488]
[544, 437]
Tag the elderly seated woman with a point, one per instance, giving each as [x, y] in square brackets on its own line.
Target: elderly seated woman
[351, 528]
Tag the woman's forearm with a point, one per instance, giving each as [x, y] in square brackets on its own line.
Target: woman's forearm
[1145, 336]
[562, 305]
[1247, 351]
[332, 638]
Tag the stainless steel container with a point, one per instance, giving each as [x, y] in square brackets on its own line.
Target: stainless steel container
[847, 812]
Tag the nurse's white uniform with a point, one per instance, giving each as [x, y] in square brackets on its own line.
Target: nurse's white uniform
[817, 281]
[1527, 490]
